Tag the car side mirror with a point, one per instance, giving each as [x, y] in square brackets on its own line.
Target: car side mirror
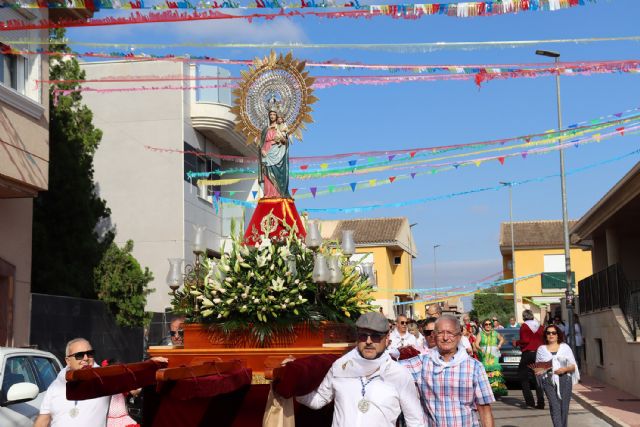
[21, 392]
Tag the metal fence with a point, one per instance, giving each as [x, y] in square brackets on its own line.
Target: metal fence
[610, 288]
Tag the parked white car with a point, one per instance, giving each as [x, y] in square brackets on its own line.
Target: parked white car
[25, 375]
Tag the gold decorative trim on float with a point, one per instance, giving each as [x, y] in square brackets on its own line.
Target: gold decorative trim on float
[274, 83]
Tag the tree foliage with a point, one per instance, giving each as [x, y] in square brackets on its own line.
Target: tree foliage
[490, 304]
[71, 230]
[122, 285]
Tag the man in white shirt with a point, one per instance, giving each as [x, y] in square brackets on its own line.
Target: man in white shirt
[401, 337]
[368, 388]
[56, 410]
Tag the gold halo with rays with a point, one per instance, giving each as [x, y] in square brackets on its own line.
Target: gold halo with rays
[273, 71]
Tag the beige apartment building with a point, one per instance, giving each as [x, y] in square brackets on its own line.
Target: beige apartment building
[146, 151]
[24, 167]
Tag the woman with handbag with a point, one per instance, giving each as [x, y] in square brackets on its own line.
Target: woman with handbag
[557, 370]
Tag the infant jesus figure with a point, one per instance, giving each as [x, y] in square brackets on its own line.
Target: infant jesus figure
[282, 131]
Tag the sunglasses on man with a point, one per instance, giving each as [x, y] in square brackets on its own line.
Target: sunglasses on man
[80, 354]
[376, 337]
[427, 332]
[179, 332]
[402, 322]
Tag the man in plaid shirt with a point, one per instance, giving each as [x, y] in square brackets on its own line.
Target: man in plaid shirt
[454, 388]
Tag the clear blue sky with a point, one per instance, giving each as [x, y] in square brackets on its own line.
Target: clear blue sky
[357, 118]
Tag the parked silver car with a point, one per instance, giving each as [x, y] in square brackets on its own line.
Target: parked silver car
[25, 375]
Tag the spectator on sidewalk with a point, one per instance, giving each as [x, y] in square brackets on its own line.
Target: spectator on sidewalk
[577, 328]
[558, 380]
[557, 320]
[513, 323]
[496, 324]
[530, 339]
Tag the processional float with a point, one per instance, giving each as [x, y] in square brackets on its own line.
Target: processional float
[222, 380]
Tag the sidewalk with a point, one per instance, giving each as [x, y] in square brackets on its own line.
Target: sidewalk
[617, 407]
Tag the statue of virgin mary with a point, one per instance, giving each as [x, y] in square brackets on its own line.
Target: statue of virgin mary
[274, 159]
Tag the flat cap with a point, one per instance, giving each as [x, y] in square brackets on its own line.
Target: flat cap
[373, 321]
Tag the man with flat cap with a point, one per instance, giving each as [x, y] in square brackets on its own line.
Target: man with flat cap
[367, 387]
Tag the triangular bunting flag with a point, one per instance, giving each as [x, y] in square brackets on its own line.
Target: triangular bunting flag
[411, 154]
[332, 188]
[524, 154]
[596, 137]
[372, 183]
[216, 194]
[392, 178]
[255, 193]
[353, 186]
[477, 162]
[313, 191]
[371, 159]
[413, 175]
[231, 193]
[501, 160]
[621, 130]
[391, 157]
[294, 191]
[352, 162]
[618, 114]
[304, 167]
[528, 140]
[324, 166]
[456, 165]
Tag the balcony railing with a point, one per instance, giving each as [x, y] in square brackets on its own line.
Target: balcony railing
[609, 288]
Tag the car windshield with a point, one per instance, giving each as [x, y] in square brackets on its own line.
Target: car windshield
[509, 334]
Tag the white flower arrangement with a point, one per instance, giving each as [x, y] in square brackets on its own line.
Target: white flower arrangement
[252, 287]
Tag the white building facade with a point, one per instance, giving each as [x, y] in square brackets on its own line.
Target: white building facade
[148, 145]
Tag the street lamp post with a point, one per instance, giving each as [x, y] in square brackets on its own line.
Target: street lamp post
[435, 272]
[570, 295]
[513, 249]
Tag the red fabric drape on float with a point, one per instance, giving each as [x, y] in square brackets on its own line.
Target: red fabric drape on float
[303, 375]
[96, 382]
[268, 217]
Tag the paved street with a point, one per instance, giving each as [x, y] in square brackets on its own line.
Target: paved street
[508, 412]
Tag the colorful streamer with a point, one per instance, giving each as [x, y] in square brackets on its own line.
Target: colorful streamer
[478, 286]
[482, 73]
[395, 47]
[370, 183]
[423, 200]
[395, 11]
[462, 9]
[324, 82]
[587, 125]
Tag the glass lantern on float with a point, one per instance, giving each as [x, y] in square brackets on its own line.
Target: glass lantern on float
[174, 276]
[367, 270]
[192, 277]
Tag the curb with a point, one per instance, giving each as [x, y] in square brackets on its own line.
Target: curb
[591, 407]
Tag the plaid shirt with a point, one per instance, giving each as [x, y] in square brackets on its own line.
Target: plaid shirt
[449, 396]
